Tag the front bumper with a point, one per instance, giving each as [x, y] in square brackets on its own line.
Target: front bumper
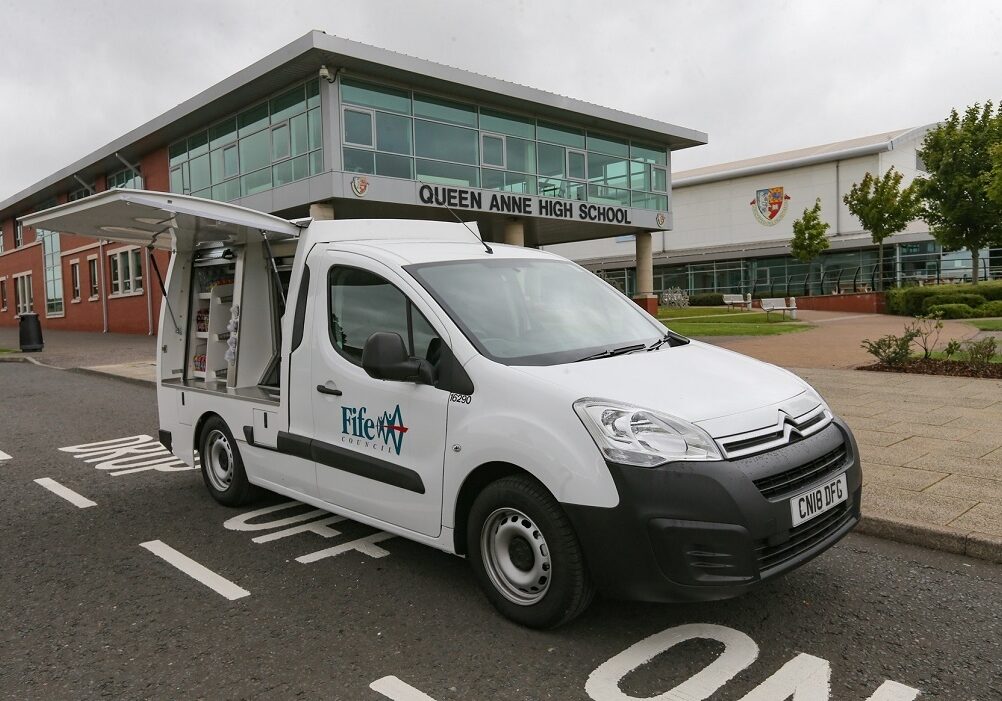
[690, 531]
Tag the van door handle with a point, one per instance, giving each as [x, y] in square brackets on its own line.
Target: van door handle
[324, 389]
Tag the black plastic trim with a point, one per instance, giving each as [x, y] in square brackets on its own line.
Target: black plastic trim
[249, 435]
[299, 320]
[165, 439]
[695, 531]
[350, 461]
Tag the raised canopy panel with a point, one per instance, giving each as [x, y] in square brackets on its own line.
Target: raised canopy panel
[143, 217]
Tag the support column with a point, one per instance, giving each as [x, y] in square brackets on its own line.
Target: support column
[645, 296]
[322, 210]
[514, 232]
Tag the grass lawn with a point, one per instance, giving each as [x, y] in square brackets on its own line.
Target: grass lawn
[986, 324]
[720, 321]
[692, 328]
[7, 350]
[940, 355]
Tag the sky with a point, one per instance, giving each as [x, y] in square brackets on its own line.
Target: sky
[757, 77]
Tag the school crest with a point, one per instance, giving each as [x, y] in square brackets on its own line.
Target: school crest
[769, 205]
[359, 185]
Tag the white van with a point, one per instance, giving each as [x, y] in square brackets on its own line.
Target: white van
[492, 401]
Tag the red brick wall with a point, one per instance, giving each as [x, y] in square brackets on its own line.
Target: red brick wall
[862, 303]
[125, 314]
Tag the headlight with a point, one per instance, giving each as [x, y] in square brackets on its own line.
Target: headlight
[635, 436]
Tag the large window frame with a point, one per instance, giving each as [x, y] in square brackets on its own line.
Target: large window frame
[362, 95]
[52, 269]
[24, 295]
[288, 125]
[125, 272]
[94, 280]
[75, 280]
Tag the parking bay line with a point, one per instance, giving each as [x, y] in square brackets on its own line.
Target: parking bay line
[79, 501]
[393, 688]
[200, 573]
[4, 456]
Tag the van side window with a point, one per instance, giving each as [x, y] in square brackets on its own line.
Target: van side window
[361, 303]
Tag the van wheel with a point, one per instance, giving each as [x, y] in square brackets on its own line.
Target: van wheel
[222, 468]
[525, 554]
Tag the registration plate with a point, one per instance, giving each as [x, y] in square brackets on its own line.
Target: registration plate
[810, 504]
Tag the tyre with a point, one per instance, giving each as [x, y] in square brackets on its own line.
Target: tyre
[525, 554]
[222, 468]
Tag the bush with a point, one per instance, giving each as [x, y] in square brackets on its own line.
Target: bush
[910, 301]
[981, 352]
[990, 308]
[891, 350]
[706, 299]
[953, 311]
[896, 300]
[970, 300]
[992, 291]
[952, 348]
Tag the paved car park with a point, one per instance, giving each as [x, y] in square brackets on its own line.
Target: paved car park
[135, 583]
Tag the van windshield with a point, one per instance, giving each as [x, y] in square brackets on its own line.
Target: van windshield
[536, 312]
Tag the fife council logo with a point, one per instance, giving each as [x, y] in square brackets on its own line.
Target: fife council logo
[383, 434]
[769, 205]
[359, 185]
[661, 219]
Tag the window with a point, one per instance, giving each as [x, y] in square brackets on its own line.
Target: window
[267, 145]
[75, 282]
[52, 265]
[126, 178]
[397, 133]
[18, 234]
[125, 272]
[24, 298]
[3, 294]
[92, 271]
[362, 303]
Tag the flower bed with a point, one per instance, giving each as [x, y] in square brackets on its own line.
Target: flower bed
[933, 366]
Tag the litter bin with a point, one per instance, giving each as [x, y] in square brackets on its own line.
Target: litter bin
[30, 332]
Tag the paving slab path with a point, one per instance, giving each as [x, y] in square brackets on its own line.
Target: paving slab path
[834, 342]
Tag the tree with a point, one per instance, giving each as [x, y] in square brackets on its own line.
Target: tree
[809, 234]
[995, 180]
[883, 208]
[956, 204]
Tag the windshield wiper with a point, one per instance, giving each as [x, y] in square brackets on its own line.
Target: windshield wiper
[609, 352]
[668, 338]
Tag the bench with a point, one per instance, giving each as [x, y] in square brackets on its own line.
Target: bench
[735, 301]
[778, 304]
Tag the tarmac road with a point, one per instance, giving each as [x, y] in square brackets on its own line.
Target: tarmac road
[88, 611]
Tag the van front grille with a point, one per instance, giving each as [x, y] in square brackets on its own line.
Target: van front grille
[789, 482]
[802, 538]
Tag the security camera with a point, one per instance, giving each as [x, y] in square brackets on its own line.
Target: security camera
[326, 74]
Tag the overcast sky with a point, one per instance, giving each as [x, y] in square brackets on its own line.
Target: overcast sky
[758, 77]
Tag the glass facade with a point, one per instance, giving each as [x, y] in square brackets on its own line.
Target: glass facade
[922, 262]
[268, 145]
[53, 272]
[402, 134]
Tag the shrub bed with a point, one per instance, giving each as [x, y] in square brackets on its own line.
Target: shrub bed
[706, 299]
[952, 311]
[932, 366]
[911, 301]
[971, 300]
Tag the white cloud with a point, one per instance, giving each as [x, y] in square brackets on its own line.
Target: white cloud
[758, 77]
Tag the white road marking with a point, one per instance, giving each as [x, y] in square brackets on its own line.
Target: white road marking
[240, 523]
[739, 652]
[804, 678]
[393, 688]
[363, 545]
[81, 502]
[4, 456]
[198, 572]
[128, 455]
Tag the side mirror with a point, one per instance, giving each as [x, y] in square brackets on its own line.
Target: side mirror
[385, 357]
